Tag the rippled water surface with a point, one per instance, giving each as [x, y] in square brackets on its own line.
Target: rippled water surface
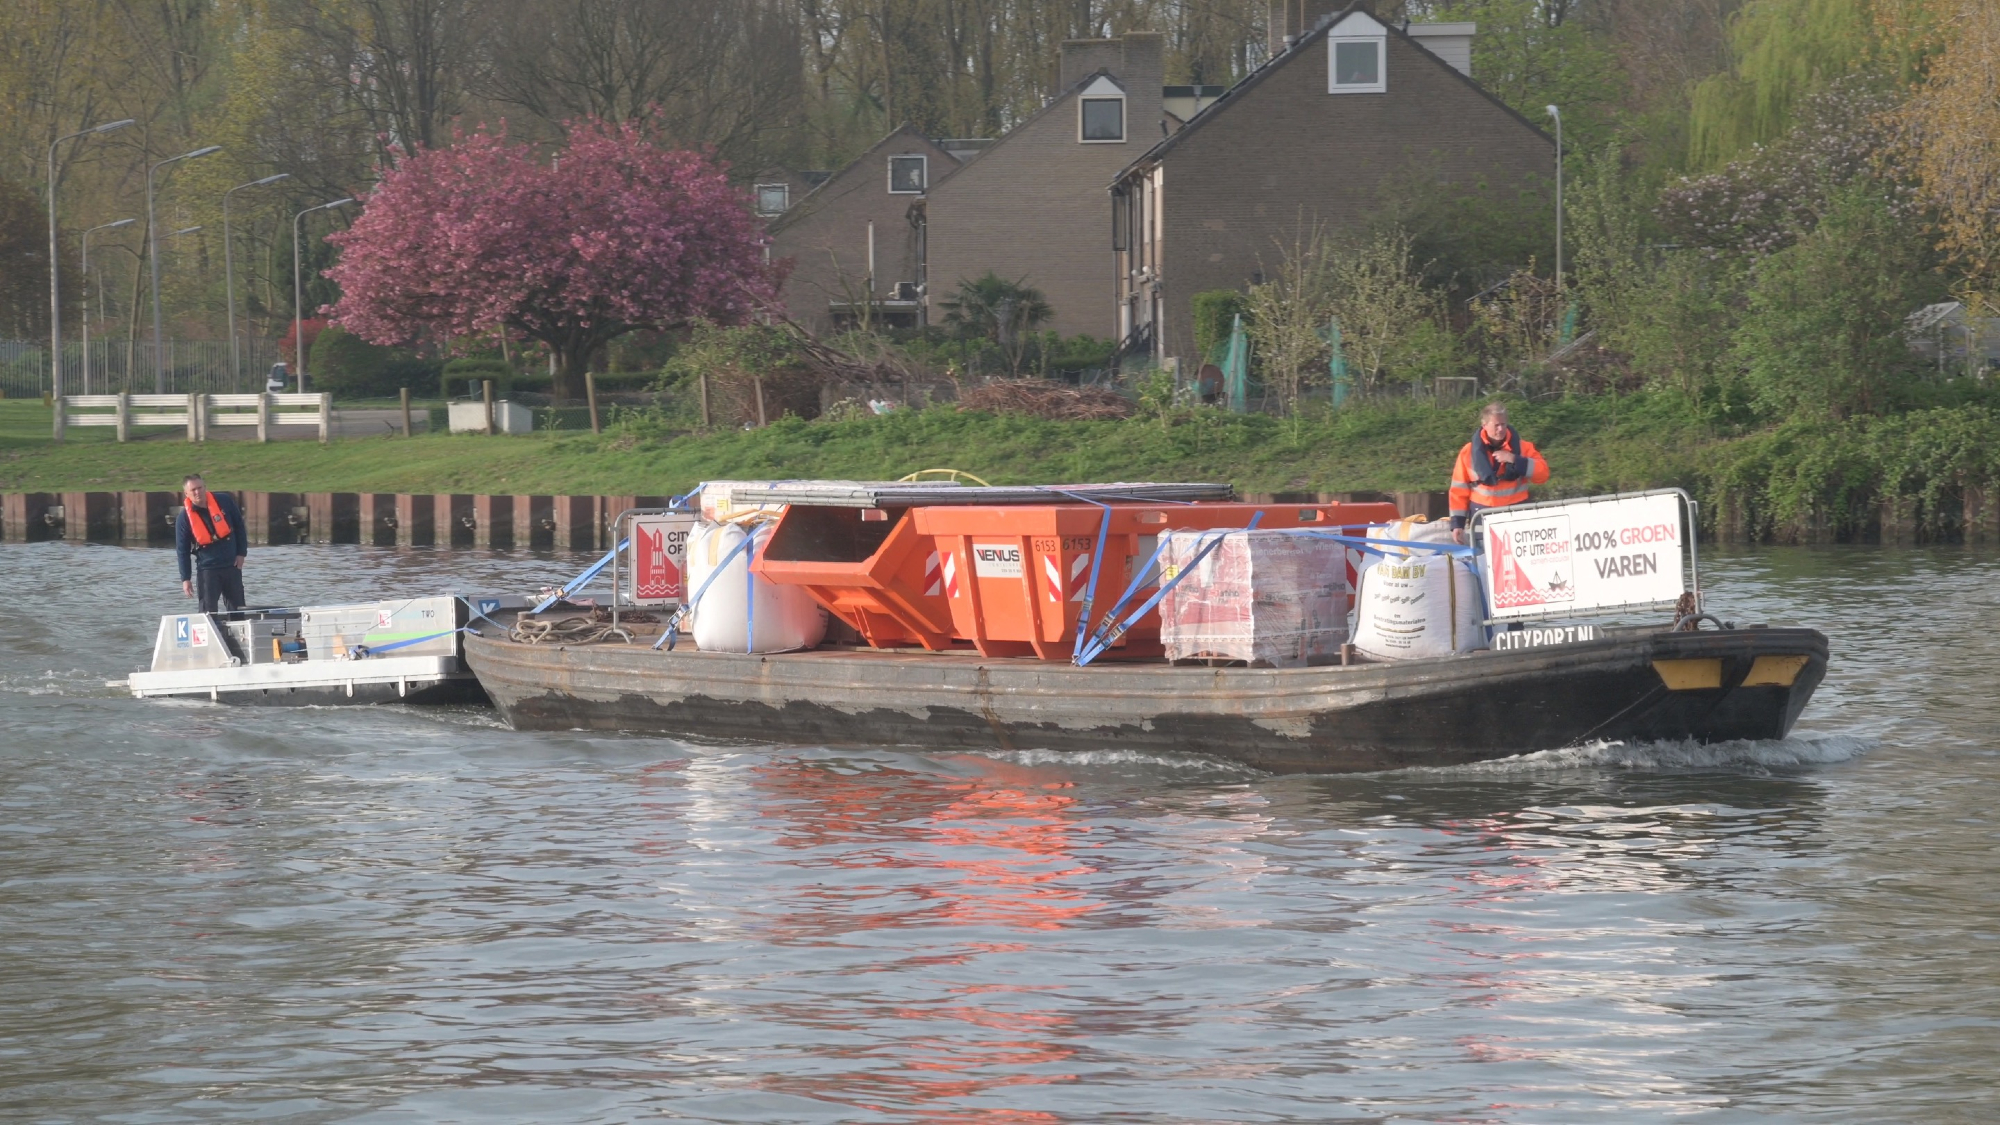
[391, 915]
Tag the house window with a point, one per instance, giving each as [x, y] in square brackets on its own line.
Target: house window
[773, 199]
[906, 175]
[1354, 66]
[1103, 119]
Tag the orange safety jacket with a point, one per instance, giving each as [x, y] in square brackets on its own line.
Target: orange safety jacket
[1509, 485]
[215, 528]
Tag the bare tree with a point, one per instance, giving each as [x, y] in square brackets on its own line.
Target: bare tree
[721, 73]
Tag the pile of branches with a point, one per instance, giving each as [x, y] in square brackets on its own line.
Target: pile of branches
[1038, 398]
[886, 365]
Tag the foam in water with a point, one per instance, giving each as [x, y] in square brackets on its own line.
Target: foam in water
[1796, 751]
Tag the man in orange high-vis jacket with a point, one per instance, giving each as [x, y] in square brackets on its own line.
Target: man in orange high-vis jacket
[1494, 469]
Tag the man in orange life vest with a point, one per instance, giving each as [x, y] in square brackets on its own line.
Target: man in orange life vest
[209, 540]
[1494, 469]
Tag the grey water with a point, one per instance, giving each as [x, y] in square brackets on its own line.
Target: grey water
[398, 915]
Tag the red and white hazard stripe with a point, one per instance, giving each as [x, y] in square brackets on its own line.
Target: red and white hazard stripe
[933, 576]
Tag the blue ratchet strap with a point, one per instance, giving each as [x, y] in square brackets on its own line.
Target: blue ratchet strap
[1096, 565]
[750, 593]
[1111, 638]
[363, 652]
[581, 580]
[672, 636]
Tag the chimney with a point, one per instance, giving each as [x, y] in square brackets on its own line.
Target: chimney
[1286, 20]
[1082, 57]
[1451, 42]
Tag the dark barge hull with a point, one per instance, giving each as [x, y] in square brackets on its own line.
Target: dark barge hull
[1318, 720]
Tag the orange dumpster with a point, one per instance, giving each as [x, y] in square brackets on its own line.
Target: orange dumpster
[1014, 577]
[867, 566]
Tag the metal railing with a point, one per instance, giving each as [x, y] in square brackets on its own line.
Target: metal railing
[118, 365]
[195, 412]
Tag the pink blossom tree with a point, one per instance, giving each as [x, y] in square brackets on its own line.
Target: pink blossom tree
[617, 235]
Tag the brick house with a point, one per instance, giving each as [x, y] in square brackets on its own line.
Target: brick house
[1032, 206]
[856, 241]
[1310, 137]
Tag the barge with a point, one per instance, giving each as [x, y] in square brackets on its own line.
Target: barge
[1626, 684]
[964, 620]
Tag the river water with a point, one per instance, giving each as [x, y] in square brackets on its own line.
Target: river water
[391, 915]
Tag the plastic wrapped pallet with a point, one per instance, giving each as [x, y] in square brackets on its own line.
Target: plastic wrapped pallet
[1415, 603]
[1269, 598]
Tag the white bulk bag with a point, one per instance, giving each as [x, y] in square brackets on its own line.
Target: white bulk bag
[787, 618]
[1415, 604]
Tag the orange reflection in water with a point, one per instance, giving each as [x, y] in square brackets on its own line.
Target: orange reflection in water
[997, 850]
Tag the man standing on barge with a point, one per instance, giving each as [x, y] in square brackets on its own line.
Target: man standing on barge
[209, 542]
[1494, 469]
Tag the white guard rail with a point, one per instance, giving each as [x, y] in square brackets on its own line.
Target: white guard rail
[195, 412]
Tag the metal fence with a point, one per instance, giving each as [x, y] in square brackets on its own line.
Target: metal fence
[192, 367]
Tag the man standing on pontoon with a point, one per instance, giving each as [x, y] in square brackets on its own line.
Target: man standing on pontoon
[209, 545]
[1494, 469]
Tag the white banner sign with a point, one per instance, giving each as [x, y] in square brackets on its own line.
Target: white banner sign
[1583, 557]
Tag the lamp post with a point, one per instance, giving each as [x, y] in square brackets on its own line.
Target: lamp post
[229, 274]
[298, 289]
[55, 264]
[86, 292]
[153, 256]
[1557, 114]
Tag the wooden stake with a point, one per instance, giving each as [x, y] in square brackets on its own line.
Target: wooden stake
[704, 401]
[590, 395]
[406, 412]
[486, 393]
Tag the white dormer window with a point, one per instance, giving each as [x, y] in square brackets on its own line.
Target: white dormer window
[1100, 113]
[1357, 52]
[908, 175]
[773, 199]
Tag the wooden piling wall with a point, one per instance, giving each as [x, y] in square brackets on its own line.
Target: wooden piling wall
[564, 523]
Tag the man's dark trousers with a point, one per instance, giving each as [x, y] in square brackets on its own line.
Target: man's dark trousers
[219, 585]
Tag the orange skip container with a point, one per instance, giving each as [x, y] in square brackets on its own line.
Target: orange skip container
[1014, 577]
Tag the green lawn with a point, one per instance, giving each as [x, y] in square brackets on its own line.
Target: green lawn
[1594, 445]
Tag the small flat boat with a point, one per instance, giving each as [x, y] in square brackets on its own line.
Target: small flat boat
[403, 650]
[1626, 684]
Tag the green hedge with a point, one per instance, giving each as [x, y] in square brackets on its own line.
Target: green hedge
[348, 367]
[460, 373]
[1215, 312]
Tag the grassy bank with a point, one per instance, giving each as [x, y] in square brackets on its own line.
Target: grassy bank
[1791, 481]
[1595, 444]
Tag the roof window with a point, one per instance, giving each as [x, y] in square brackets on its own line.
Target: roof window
[773, 199]
[908, 175]
[1356, 56]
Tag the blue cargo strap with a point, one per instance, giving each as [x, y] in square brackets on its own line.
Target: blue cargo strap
[581, 580]
[1110, 638]
[363, 652]
[672, 636]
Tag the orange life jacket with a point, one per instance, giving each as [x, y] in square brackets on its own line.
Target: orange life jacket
[1468, 492]
[201, 529]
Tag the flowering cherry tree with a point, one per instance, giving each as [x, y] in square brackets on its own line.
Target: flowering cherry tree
[617, 235]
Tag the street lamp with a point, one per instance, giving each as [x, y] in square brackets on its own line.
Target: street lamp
[153, 255]
[1557, 114]
[55, 298]
[86, 293]
[298, 289]
[229, 274]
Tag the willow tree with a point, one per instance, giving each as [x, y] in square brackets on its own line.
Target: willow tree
[1784, 50]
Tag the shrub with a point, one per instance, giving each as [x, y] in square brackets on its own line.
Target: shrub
[1215, 313]
[349, 367]
[461, 372]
